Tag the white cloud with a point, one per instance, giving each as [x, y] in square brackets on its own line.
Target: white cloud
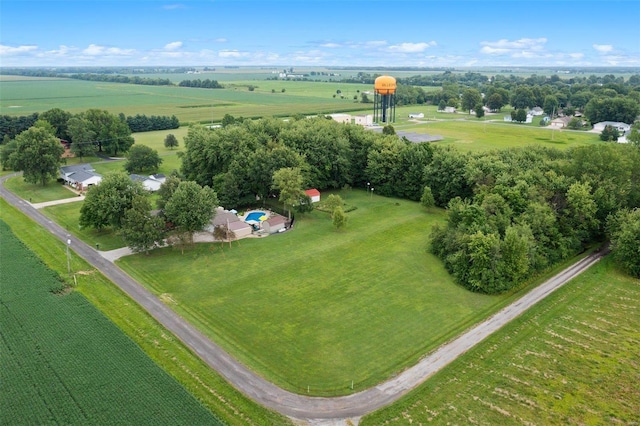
[97, 50]
[411, 47]
[173, 45]
[603, 48]
[8, 50]
[523, 47]
[230, 54]
[174, 6]
[576, 55]
[220, 40]
[330, 45]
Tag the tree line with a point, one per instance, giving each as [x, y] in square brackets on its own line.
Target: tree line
[511, 213]
[110, 78]
[88, 132]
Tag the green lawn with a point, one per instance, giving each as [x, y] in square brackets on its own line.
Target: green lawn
[68, 215]
[314, 308]
[469, 135]
[37, 193]
[571, 359]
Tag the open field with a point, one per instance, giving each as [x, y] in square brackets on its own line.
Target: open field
[62, 361]
[37, 193]
[23, 97]
[167, 352]
[572, 359]
[314, 309]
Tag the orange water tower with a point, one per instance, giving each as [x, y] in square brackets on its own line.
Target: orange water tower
[384, 103]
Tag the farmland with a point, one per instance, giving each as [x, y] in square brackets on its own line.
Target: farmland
[63, 361]
[129, 318]
[572, 359]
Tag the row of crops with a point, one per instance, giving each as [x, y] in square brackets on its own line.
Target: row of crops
[63, 362]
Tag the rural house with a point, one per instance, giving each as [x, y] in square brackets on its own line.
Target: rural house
[314, 194]
[80, 176]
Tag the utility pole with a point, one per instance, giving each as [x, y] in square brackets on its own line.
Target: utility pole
[68, 256]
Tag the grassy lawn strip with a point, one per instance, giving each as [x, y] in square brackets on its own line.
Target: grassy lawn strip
[208, 387]
[38, 193]
[315, 308]
[571, 359]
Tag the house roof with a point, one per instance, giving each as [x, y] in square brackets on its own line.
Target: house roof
[138, 178]
[223, 217]
[276, 220]
[82, 176]
[238, 225]
[86, 167]
[312, 192]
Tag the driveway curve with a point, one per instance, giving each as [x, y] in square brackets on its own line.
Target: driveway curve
[313, 409]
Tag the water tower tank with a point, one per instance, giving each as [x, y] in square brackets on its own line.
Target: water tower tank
[385, 85]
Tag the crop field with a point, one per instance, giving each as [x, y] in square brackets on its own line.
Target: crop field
[62, 361]
[23, 97]
[571, 359]
[314, 309]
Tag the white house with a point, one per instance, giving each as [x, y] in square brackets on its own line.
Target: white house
[536, 111]
[622, 127]
[80, 176]
[364, 120]
[416, 115]
[341, 118]
[150, 183]
[314, 194]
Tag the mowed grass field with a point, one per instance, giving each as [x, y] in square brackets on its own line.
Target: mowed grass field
[571, 359]
[63, 362]
[315, 308]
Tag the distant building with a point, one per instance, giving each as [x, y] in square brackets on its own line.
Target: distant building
[536, 111]
[416, 115]
[341, 118]
[621, 127]
[150, 183]
[364, 120]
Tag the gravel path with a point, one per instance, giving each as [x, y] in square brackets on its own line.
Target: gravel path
[314, 410]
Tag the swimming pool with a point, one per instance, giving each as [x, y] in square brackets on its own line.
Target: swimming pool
[255, 216]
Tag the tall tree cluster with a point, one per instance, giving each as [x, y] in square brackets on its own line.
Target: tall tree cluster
[511, 213]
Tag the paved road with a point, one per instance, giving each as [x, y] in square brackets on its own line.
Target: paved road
[313, 409]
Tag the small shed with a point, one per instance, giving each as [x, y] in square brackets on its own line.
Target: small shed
[314, 194]
[240, 229]
[416, 115]
[274, 224]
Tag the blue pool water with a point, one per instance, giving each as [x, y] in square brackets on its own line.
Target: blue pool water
[254, 216]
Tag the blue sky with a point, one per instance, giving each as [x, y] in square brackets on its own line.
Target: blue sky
[320, 33]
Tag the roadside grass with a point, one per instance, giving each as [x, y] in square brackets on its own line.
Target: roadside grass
[162, 347]
[37, 193]
[68, 216]
[315, 308]
[571, 359]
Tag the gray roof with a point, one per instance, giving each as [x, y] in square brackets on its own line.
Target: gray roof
[82, 176]
[222, 216]
[76, 168]
[138, 178]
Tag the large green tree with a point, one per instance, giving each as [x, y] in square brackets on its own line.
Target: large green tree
[141, 230]
[142, 158]
[37, 154]
[190, 208]
[105, 204]
[617, 109]
[289, 182]
[470, 99]
[112, 132]
[59, 119]
[624, 228]
[82, 137]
